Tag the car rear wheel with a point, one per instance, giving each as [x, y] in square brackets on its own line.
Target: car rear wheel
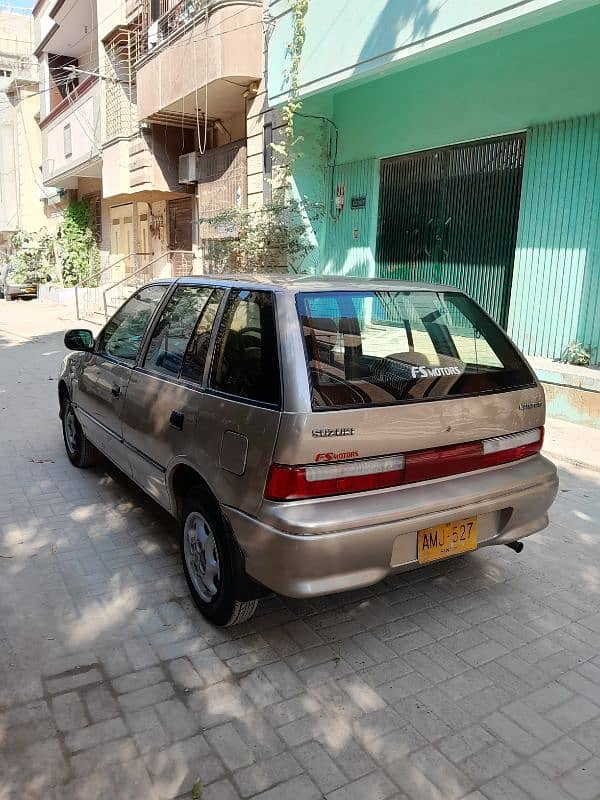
[212, 570]
[80, 450]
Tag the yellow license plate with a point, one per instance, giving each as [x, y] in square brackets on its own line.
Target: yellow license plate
[30, 290]
[448, 539]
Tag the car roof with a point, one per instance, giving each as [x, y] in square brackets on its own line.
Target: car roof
[308, 283]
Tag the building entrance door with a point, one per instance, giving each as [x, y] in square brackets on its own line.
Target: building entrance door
[450, 216]
[181, 213]
[121, 238]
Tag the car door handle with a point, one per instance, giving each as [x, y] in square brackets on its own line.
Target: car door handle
[176, 420]
[116, 390]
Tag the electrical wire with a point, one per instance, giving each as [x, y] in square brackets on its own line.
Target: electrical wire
[94, 28]
[58, 83]
[202, 145]
[40, 184]
[176, 45]
[70, 101]
[332, 166]
[93, 127]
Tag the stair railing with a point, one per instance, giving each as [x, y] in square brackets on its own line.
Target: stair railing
[82, 303]
[181, 260]
[128, 279]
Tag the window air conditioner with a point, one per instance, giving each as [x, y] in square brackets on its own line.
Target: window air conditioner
[188, 172]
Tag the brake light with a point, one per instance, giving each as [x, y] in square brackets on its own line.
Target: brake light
[323, 480]
[441, 462]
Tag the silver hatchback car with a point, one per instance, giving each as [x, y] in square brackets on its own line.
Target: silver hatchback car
[312, 435]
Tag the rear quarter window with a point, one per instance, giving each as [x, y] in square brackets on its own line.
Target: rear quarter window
[246, 361]
[379, 348]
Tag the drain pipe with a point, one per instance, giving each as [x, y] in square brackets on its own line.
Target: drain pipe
[516, 546]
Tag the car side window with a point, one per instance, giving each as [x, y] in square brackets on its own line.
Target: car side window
[197, 349]
[246, 362]
[123, 334]
[174, 328]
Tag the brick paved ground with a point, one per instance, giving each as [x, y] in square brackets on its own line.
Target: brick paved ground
[478, 678]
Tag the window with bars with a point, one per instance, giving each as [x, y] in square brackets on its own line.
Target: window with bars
[121, 99]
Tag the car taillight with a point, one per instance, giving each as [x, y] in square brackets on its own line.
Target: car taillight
[441, 462]
[323, 480]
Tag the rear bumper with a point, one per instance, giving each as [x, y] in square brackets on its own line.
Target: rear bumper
[309, 548]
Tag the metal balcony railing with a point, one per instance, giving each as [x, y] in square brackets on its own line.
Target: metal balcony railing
[175, 18]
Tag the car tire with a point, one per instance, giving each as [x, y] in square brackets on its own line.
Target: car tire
[212, 563]
[80, 451]
[8, 297]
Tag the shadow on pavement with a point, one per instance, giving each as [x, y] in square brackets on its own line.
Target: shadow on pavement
[112, 685]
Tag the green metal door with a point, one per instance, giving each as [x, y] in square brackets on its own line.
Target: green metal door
[450, 216]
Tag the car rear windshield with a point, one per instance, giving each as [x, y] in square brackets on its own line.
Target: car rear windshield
[380, 348]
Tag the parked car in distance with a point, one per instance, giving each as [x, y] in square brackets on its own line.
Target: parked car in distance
[312, 435]
[13, 287]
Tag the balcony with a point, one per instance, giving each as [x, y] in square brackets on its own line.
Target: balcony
[71, 137]
[67, 52]
[176, 17]
[145, 162]
[210, 45]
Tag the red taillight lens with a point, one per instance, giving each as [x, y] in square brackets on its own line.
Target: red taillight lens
[324, 480]
[441, 462]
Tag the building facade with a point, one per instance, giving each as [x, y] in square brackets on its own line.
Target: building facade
[460, 143]
[145, 114]
[25, 205]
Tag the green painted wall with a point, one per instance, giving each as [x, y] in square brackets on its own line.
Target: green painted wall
[556, 279]
[351, 235]
[312, 180]
[543, 74]
[352, 40]
[519, 82]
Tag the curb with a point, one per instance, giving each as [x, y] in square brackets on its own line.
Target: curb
[573, 462]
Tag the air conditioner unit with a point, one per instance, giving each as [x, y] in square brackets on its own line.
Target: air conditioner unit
[188, 171]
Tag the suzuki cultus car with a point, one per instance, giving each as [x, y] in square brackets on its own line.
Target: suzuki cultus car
[311, 435]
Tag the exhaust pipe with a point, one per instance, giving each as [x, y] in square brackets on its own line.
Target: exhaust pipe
[516, 546]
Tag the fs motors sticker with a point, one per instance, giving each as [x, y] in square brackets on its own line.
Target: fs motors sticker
[336, 456]
[435, 372]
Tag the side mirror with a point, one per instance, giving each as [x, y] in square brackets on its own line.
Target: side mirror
[79, 339]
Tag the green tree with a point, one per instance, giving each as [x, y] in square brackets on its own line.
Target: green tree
[78, 250]
[32, 257]
[276, 234]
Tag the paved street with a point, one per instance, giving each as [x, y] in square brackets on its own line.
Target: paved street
[477, 678]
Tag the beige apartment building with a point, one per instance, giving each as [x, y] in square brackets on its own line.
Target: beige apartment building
[25, 204]
[152, 109]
